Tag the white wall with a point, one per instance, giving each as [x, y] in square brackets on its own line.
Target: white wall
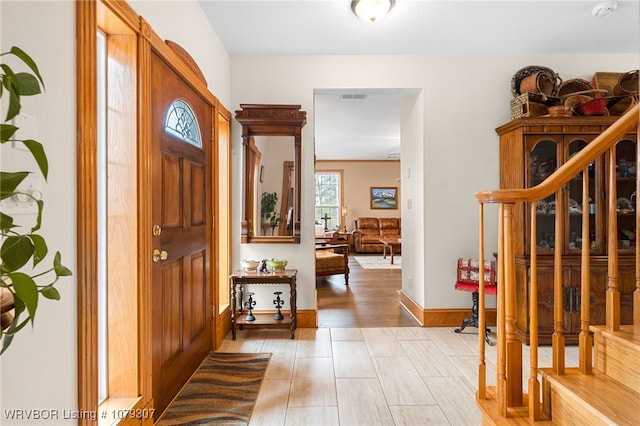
[39, 370]
[185, 23]
[462, 99]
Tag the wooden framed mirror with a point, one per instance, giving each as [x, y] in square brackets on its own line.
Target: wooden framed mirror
[271, 139]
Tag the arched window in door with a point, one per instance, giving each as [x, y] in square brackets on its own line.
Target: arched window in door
[181, 122]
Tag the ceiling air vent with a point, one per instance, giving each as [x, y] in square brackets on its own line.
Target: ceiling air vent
[353, 96]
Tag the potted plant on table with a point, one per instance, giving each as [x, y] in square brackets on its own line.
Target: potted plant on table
[22, 249]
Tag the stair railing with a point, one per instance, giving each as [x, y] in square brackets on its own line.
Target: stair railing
[509, 392]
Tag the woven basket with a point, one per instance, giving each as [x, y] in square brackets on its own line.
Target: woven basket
[627, 84]
[528, 105]
[573, 101]
[619, 106]
[574, 85]
[529, 70]
[593, 107]
[606, 81]
[560, 111]
[539, 82]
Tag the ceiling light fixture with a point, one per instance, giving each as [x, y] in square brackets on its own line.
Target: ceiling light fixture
[371, 10]
[604, 9]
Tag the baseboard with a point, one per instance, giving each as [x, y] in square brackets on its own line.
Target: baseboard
[307, 318]
[412, 307]
[223, 326]
[444, 317]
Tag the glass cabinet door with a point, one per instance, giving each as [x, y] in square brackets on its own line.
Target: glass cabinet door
[543, 161]
[626, 193]
[574, 239]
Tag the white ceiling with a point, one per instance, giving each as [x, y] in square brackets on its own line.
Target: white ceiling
[308, 27]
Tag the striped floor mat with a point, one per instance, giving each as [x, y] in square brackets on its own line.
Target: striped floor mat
[222, 391]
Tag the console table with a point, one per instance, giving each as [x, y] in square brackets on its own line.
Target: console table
[262, 320]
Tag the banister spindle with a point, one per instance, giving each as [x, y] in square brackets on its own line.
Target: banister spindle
[558, 339]
[585, 339]
[613, 292]
[501, 380]
[534, 384]
[482, 368]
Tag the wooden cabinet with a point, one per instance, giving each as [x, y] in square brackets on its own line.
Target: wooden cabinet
[530, 150]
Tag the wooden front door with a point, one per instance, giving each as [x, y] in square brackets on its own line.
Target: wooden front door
[181, 191]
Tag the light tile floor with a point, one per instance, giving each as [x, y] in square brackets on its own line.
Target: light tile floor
[371, 376]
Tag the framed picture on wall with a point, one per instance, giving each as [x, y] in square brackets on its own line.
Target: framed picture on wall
[384, 198]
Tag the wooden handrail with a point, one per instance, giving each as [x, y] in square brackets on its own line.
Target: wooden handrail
[568, 170]
[509, 389]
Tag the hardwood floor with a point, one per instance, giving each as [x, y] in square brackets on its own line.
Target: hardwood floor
[372, 299]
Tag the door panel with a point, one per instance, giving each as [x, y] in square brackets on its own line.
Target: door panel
[198, 207]
[171, 194]
[181, 288]
[197, 292]
[171, 307]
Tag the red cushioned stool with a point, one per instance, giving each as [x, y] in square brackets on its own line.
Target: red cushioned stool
[469, 280]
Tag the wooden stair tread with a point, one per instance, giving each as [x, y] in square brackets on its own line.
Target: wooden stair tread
[600, 394]
[516, 415]
[627, 334]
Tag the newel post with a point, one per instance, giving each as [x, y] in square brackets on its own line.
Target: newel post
[513, 345]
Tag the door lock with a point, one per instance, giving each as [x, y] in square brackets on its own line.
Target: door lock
[158, 255]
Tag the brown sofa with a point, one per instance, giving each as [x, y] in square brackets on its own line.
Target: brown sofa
[367, 232]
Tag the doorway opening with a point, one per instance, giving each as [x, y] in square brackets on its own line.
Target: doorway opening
[357, 136]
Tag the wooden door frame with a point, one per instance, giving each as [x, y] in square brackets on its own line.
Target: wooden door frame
[90, 16]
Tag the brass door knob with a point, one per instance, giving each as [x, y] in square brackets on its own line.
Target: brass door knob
[158, 255]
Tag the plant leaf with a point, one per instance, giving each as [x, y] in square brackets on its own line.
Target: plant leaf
[6, 132]
[6, 222]
[16, 252]
[28, 61]
[8, 337]
[39, 155]
[40, 205]
[50, 292]
[14, 105]
[27, 84]
[40, 248]
[26, 290]
[9, 181]
[61, 270]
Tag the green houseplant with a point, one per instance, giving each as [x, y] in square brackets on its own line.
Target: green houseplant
[267, 208]
[23, 278]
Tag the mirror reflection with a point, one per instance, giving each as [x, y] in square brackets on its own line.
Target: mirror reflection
[271, 136]
[274, 188]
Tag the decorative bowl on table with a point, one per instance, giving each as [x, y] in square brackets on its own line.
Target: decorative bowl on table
[278, 264]
[249, 265]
